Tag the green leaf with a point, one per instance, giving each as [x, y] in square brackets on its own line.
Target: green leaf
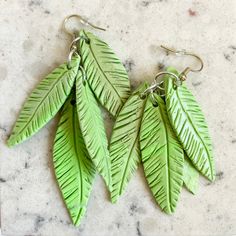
[191, 176]
[124, 146]
[106, 74]
[73, 167]
[92, 127]
[190, 126]
[162, 155]
[44, 102]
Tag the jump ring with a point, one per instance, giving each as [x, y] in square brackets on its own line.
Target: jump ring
[177, 81]
[72, 52]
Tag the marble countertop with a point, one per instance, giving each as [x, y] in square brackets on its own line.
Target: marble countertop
[32, 43]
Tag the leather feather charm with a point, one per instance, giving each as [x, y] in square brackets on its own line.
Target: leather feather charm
[162, 155]
[73, 168]
[93, 129]
[124, 145]
[106, 75]
[191, 176]
[190, 126]
[45, 101]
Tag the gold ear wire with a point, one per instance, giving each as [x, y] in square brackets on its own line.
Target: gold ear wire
[81, 20]
[183, 75]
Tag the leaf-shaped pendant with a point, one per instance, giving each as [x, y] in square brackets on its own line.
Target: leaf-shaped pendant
[73, 167]
[162, 155]
[190, 126]
[191, 176]
[124, 146]
[106, 75]
[45, 101]
[92, 127]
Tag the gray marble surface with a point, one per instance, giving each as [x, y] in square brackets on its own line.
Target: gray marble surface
[32, 43]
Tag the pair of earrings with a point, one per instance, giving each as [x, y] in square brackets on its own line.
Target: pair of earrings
[161, 125]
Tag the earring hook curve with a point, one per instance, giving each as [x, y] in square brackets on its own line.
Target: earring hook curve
[183, 75]
[81, 20]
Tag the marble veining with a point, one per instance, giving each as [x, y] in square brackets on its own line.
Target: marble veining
[32, 44]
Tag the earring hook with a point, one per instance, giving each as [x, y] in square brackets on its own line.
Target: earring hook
[183, 75]
[81, 20]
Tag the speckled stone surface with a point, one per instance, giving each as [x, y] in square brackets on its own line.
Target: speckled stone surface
[32, 43]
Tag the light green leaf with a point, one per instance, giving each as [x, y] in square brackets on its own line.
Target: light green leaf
[106, 75]
[190, 126]
[92, 127]
[124, 146]
[73, 167]
[44, 102]
[191, 176]
[162, 155]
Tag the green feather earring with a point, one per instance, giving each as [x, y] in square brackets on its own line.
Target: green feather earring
[163, 127]
[92, 75]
